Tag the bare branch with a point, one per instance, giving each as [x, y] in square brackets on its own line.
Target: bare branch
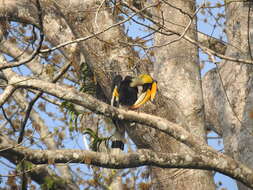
[6, 94]
[130, 160]
[37, 96]
[163, 125]
[97, 33]
[8, 119]
[40, 173]
[6, 65]
[197, 43]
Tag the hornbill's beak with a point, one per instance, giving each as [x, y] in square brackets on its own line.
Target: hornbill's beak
[149, 89]
[143, 98]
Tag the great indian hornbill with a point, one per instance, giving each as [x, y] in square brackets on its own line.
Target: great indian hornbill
[125, 93]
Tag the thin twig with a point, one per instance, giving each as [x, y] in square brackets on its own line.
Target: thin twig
[8, 119]
[184, 32]
[97, 12]
[37, 96]
[248, 32]
[95, 34]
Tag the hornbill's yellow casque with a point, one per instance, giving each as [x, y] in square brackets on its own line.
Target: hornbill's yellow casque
[125, 93]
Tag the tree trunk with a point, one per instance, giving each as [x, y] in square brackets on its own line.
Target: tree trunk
[228, 91]
[178, 74]
[237, 79]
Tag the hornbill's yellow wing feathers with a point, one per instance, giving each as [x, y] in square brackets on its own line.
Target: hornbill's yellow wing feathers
[115, 96]
[115, 90]
[122, 93]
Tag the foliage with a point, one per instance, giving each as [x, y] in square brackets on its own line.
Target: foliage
[96, 141]
[73, 115]
[52, 183]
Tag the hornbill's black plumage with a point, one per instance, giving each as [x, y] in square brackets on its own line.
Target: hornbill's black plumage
[125, 93]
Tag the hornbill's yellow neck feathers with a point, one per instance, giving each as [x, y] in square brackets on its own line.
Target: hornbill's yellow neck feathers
[123, 93]
[153, 90]
[148, 92]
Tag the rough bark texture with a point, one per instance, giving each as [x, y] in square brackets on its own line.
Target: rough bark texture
[208, 155]
[178, 75]
[238, 84]
[230, 97]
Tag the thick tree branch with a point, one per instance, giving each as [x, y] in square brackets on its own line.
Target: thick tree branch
[213, 98]
[170, 128]
[155, 122]
[212, 43]
[35, 118]
[130, 160]
[37, 96]
[40, 174]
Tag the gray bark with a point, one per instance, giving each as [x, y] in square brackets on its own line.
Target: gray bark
[209, 156]
[178, 75]
[231, 94]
